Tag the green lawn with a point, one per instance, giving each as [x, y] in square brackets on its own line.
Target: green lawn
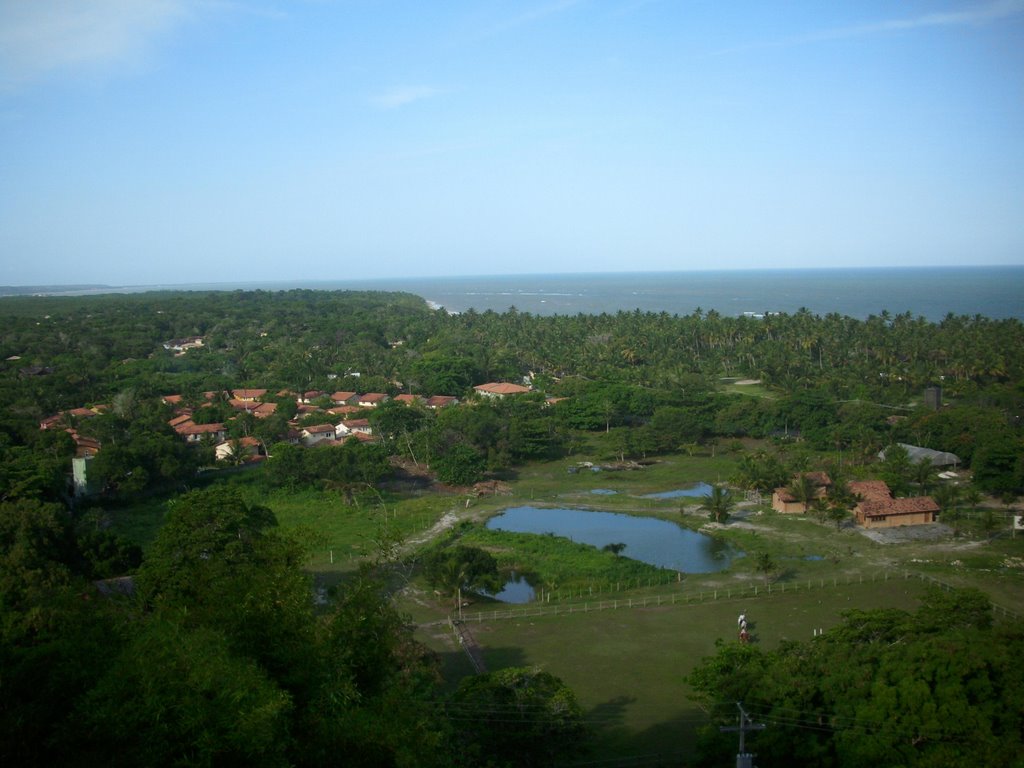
[628, 666]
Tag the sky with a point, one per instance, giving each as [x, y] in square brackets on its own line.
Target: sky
[181, 141]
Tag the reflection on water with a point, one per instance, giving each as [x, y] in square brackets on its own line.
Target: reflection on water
[657, 542]
[516, 590]
[700, 489]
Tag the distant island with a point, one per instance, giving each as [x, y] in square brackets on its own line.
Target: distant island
[53, 290]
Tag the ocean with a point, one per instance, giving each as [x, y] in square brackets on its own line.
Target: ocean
[932, 293]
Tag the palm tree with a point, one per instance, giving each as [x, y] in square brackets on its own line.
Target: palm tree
[765, 565]
[803, 489]
[948, 497]
[718, 504]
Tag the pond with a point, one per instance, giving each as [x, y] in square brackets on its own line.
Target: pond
[657, 542]
[700, 489]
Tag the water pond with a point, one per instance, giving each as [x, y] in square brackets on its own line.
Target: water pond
[657, 542]
[700, 489]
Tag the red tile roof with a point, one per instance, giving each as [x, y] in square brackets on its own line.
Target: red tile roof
[198, 429]
[440, 401]
[373, 397]
[908, 506]
[344, 410]
[501, 388]
[263, 410]
[342, 397]
[319, 429]
[870, 490]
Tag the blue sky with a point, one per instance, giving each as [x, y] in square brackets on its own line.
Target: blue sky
[177, 141]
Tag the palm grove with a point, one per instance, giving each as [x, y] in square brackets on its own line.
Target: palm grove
[220, 655]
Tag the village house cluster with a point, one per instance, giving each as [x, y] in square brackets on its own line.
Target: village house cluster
[350, 408]
[875, 506]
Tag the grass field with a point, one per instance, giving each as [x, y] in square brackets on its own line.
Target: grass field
[628, 666]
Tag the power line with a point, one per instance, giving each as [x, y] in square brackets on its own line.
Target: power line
[743, 758]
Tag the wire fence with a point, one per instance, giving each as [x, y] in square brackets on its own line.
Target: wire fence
[706, 596]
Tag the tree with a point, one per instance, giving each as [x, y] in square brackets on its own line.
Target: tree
[803, 489]
[221, 563]
[461, 568]
[615, 548]
[922, 706]
[948, 497]
[517, 717]
[718, 504]
[765, 565]
[459, 465]
[175, 695]
[998, 467]
[896, 468]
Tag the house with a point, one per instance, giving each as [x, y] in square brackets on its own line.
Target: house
[196, 433]
[371, 399]
[263, 410]
[247, 395]
[249, 446]
[181, 346]
[174, 400]
[440, 401]
[345, 410]
[82, 484]
[786, 503]
[84, 446]
[408, 399]
[353, 426]
[317, 433]
[877, 508]
[64, 417]
[500, 389]
[344, 398]
[57, 420]
[184, 418]
[307, 398]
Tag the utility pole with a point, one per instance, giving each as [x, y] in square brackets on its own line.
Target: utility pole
[743, 758]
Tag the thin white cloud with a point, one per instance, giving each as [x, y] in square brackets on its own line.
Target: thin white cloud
[400, 96]
[532, 15]
[978, 15]
[41, 37]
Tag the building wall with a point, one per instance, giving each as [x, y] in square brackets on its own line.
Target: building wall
[896, 520]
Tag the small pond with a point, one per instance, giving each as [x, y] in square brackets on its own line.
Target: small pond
[700, 489]
[657, 542]
[516, 590]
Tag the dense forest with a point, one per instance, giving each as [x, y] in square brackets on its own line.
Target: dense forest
[840, 384]
[217, 654]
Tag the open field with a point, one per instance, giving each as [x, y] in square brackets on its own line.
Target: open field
[628, 666]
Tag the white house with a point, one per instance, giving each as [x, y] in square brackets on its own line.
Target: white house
[317, 433]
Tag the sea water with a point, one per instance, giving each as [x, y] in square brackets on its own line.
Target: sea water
[932, 293]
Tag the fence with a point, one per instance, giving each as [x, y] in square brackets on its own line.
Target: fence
[704, 596]
[469, 645]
